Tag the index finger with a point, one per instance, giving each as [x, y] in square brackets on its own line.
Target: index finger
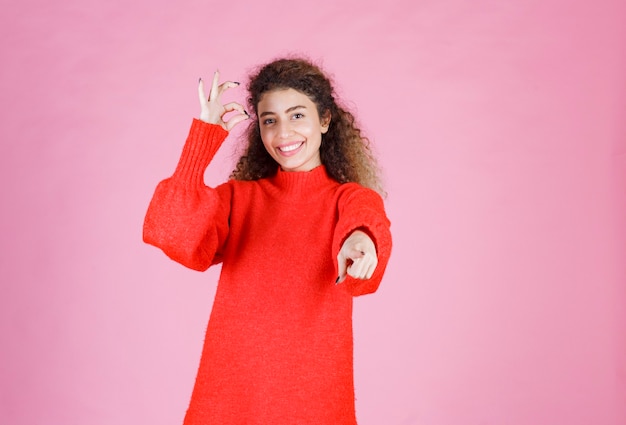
[341, 268]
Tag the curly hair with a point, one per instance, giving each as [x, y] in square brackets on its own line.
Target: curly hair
[344, 151]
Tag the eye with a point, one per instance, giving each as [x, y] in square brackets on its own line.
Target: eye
[298, 115]
[268, 121]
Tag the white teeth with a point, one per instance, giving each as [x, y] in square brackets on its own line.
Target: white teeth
[290, 147]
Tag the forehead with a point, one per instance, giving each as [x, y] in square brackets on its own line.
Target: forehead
[278, 100]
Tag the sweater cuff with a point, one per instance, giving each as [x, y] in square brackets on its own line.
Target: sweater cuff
[202, 143]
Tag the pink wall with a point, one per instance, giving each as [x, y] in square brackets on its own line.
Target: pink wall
[502, 129]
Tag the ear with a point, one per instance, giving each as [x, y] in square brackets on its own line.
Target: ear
[325, 121]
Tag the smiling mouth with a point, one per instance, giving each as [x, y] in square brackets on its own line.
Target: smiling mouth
[290, 148]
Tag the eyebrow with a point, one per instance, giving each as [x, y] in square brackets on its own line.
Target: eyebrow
[293, 108]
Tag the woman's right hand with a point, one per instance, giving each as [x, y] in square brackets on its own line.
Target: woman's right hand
[211, 109]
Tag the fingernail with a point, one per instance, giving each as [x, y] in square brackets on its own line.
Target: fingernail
[246, 112]
[337, 281]
[200, 80]
[237, 82]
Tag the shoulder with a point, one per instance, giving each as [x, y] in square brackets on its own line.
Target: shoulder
[355, 200]
[357, 193]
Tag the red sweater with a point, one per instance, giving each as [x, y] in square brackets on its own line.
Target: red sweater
[278, 347]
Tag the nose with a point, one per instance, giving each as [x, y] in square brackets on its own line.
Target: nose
[284, 129]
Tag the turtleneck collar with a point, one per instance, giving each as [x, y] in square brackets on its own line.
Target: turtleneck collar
[301, 182]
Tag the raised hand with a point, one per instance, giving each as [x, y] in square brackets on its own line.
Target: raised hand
[211, 109]
[357, 257]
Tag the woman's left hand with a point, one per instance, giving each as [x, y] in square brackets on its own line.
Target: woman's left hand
[357, 257]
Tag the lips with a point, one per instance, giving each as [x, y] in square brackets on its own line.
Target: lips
[290, 149]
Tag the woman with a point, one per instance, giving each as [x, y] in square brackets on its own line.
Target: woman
[299, 230]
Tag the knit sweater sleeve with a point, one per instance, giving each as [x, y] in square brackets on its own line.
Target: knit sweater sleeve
[363, 209]
[185, 218]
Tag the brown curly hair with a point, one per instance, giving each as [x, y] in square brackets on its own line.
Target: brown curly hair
[344, 152]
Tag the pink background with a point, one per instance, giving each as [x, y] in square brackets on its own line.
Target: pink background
[502, 130]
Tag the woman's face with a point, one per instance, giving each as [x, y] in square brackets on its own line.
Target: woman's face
[291, 129]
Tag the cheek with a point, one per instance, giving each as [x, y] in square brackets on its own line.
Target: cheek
[265, 136]
[266, 142]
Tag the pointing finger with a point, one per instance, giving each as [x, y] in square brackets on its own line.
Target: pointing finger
[341, 266]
